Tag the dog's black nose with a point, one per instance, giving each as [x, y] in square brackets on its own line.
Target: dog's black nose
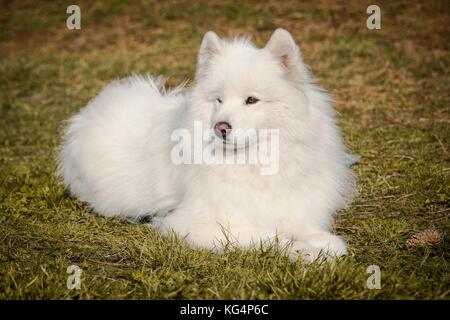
[222, 129]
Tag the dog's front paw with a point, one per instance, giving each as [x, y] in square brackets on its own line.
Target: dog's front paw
[311, 247]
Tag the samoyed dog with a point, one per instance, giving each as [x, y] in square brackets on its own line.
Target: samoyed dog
[119, 153]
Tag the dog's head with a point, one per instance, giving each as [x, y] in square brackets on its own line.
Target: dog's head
[240, 89]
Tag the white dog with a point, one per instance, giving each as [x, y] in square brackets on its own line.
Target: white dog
[117, 153]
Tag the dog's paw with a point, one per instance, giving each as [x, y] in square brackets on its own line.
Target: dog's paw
[324, 245]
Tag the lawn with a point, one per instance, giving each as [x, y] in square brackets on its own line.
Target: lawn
[392, 93]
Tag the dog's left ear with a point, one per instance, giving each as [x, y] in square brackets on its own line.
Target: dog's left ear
[282, 46]
[211, 45]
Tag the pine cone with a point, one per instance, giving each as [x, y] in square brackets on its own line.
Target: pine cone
[425, 238]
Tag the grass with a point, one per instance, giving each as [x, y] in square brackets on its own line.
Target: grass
[391, 88]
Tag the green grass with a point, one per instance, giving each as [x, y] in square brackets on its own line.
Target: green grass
[391, 89]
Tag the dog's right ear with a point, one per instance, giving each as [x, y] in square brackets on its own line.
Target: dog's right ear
[210, 46]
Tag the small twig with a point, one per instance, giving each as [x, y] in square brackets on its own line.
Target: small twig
[405, 196]
[367, 205]
[442, 145]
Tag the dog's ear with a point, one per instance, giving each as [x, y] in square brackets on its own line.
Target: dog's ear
[211, 45]
[282, 46]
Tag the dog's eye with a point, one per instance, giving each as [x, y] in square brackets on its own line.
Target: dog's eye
[219, 100]
[251, 100]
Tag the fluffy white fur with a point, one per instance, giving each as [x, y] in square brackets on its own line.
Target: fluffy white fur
[116, 151]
